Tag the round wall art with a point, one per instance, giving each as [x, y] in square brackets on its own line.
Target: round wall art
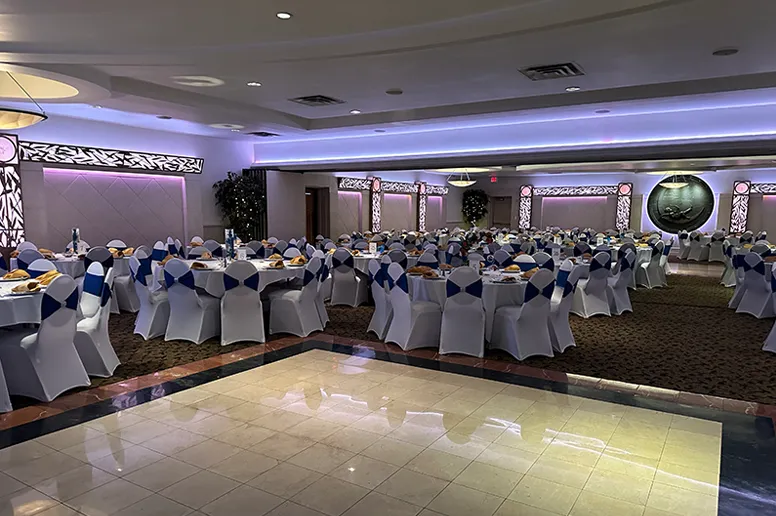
[686, 208]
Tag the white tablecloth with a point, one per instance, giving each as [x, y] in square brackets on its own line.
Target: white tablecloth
[212, 279]
[74, 267]
[18, 309]
[362, 262]
[494, 295]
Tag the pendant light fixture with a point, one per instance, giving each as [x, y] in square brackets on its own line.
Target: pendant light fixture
[12, 118]
[673, 181]
[460, 176]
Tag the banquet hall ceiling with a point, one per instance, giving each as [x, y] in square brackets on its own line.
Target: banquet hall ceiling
[451, 58]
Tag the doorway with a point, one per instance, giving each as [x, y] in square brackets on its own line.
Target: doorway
[316, 212]
[501, 212]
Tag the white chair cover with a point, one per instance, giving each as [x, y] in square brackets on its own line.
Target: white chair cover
[525, 262]
[69, 246]
[729, 273]
[295, 311]
[92, 340]
[197, 240]
[171, 247]
[215, 248]
[324, 286]
[348, 288]
[502, 258]
[43, 364]
[453, 254]
[590, 296]
[737, 260]
[309, 251]
[762, 248]
[563, 297]
[770, 341]
[242, 314]
[93, 286]
[463, 318]
[102, 255]
[684, 244]
[154, 313]
[396, 246]
[648, 273]
[160, 251]
[698, 251]
[414, 324]
[382, 314]
[399, 257]
[26, 245]
[716, 248]
[758, 296]
[193, 317]
[291, 252]
[523, 331]
[40, 266]
[746, 238]
[429, 259]
[664, 271]
[328, 246]
[26, 257]
[581, 248]
[180, 248]
[272, 240]
[528, 247]
[117, 244]
[619, 299]
[281, 246]
[544, 261]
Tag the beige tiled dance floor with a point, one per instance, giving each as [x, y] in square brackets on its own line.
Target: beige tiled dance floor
[334, 434]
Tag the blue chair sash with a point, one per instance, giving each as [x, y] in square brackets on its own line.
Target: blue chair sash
[684, 236]
[532, 291]
[158, 255]
[526, 266]
[434, 264]
[323, 273]
[106, 264]
[218, 252]
[569, 288]
[252, 282]
[773, 283]
[49, 305]
[348, 262]
[758, 268]
[549, 265]
[624, 264]
[187, 280]
[595, 265]
[3, 264]
[666, 250]
[400, 283]
[474, 289]
[93, 283]
[22, 264]
[106, 294]
[172, 249]
[308, 277]
[563, 277]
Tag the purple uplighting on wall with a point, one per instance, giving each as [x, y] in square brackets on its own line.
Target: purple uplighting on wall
[103, 173]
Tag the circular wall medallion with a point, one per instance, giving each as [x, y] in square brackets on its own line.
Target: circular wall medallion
[7, 149]
[677, 209]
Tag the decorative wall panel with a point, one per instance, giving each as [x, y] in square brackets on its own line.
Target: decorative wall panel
[375, 199]
[351, 183]
[438, 190]
[740, 209]
[574, 191]
[109, 158]
[11, 210]
[138, 210]
[422, 206]
[399, 187]
[624, 193]
[762, 188]
[526, 200]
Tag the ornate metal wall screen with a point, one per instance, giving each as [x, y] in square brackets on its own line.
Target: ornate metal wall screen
[11, 210]
[376, 187]
[623, 191]
[55, 153]
[739, 212]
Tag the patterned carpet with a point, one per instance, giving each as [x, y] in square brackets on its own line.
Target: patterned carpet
[682, 337]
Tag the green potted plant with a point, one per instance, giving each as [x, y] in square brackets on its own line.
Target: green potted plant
[242, 200]
[475, 206]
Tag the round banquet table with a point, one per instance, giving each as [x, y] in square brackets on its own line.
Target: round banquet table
[74, 267]
[362, 262]
[211, 280]
[18, 309]
[494, 295]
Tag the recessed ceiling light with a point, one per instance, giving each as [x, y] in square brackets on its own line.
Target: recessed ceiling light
[723, 52]
[235, 130]
[227, 126]
[197, 81]
[355, 112]
[394, 91]
[164, 117]
[253, 84]
[379, 130]
[602, 111]
[572, 89]
[284, 15]
[97, 106]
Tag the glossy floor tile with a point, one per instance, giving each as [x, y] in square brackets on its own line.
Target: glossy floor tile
[329, 433]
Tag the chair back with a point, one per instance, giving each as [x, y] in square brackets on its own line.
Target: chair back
[91, 297]
[582, 248]
[453, 254]
[107, 294]
[27, 256]
[761, 235]
[99, 254]
[762, 248]
[566, 291]
[538, 294]
[257, 248]
[361, 245]
[329, 246]
[544, 261]
[197, 240]
[376, 281]
[171, 248]
[398, 286]
[181, 248]
[600, 267]
[429, 259]
[281, 246]
[291, 252]
[23, 246]
[525, 262]
[398, 256]
[506, 247]
[342, 261]
[528, 247]
[502, 258]
[309, 251]
[624, 248]
[179, 281]
[241, 284]
[475, 259]
[40, 266]
[58, 307]
[563, 272]
[603, 249]
[214, 247]
[69, 246]
[625, 271]
[272, 240]
[754, 270]
[746, 237]
[311, 279]
[464, 288]
[160, 251]
[396, 246]
[657, 253]
[117, 244]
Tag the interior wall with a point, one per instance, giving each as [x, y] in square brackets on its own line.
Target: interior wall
[220, 156]
[435, 215]
[350, 211]
[567, 212]
[398, 212]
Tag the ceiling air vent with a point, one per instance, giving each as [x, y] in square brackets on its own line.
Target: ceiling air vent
[554, 71]
[264, 134]
[317, 101]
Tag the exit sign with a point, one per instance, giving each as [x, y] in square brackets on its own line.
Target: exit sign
[493, 179]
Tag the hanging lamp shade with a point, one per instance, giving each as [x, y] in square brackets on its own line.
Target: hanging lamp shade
[673, 182]
[12, 118]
